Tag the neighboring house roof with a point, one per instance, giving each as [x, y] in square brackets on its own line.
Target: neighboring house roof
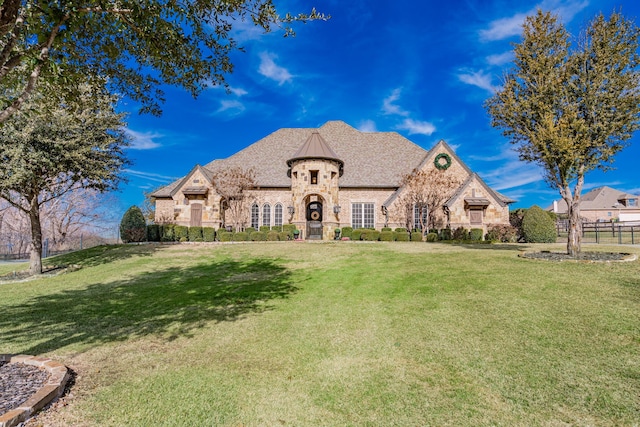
[600, 198]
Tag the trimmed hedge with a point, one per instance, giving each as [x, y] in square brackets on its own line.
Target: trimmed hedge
[402, 236]
[272, 236]
[225, 236]
[346, 231]
[432, 237]
[289, 229]
[371, 235]
[167, 232]
[400, 230]
[181, 233]
[258, 236]
[195, 234]
[502, 233]
[250, 230]
[283, 236]
[387, 236]
[416, 236]
[476, 234]
[460, 233]
[265, 228]
[209, 234]
[386, 229]
[445, 234]
[538, 227]
[153, 233]
[241, 236]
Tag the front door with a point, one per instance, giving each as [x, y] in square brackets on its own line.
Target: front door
[196, 215]
[314, 220]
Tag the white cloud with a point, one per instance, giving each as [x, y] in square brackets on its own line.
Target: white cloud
[388, 106]
[143, 140]
[237, 91]
[500, 58]
[271, 70]
[232, 106]
[417, 127]
[150, 176]
[367, 126]
[503, 28]
[510, 26]
[480, 79]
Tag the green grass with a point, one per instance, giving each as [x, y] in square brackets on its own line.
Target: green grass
[335, 334]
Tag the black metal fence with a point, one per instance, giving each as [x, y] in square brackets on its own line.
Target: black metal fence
[612, 233]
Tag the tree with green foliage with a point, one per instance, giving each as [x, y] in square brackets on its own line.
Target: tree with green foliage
[138, 45]
[571, 109]
[53, 147]
[133, 227]
[537, 226]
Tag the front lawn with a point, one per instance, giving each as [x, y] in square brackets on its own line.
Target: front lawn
[334, 334]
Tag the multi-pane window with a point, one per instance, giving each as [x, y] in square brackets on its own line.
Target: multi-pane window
[416, 216]
[266, 214]
[277, 215]
[255, 216]
[362, 215]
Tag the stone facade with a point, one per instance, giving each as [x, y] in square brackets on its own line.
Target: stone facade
[333, 177]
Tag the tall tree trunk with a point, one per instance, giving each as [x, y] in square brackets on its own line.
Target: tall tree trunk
[35, 256]
[574, 239]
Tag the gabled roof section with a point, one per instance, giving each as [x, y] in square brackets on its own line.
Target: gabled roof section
[599, 198]
[475, 177]
[171, 189]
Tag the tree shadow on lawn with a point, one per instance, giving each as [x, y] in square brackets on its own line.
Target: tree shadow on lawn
[494, 246]
[103, 254]
[170, 303]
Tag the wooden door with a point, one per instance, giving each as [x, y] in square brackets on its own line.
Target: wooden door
[196, 215]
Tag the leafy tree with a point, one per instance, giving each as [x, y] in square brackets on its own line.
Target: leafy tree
[571, 109]
[53, 147]
[537, 226]
[427, 191]
[133, 227]
[137, 44]
[234, 185]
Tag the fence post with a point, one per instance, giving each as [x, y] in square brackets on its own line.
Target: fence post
[632, 242]
[619, 234]
[597, 234]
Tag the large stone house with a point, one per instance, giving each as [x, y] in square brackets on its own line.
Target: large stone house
[331, 177]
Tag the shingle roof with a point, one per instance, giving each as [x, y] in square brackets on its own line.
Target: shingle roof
[371, 159]
[598, 198]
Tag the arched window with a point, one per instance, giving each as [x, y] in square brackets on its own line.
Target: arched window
[277, 215]
[266, 214]
[255, 215]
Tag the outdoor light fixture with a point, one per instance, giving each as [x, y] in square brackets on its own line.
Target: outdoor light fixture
[336, 209]
[291, 210]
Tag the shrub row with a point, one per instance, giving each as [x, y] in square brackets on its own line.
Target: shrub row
[181, 233]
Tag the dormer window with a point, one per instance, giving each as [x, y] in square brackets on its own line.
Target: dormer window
[314, 177]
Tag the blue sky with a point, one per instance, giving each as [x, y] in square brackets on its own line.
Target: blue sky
[419, 68]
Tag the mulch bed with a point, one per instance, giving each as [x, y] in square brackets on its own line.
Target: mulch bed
[583, 256]
[18, 382]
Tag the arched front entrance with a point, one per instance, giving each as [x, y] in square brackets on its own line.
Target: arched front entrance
[314, 220]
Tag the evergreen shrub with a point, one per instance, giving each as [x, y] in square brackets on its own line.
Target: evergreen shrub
[460, 233]
[371, 236]
[167, 232]
[476, 234]
[208, 234]
[283, 236]
[241, 236]
[401, 236]
[400, 230]
[502, 233]
[272, 236]
[387, 236]
[133, 227]
[432, 237]
[181, 233]
[153, 233]
[416, 236]
[445, 234]
[346, 231]
[195, 234]
[225, 236]
[258, 236]
[386, 229]
[265, 228]
[538, 227]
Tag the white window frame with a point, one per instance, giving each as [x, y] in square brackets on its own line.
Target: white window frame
[266, 215]
[363, 215]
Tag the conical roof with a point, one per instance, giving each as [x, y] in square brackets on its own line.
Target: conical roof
[315, 147]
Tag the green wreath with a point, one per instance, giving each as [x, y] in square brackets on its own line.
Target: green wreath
[446, 164]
